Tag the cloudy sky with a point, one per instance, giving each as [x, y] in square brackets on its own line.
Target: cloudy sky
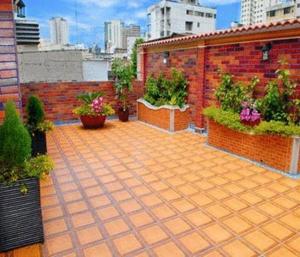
[91, 15]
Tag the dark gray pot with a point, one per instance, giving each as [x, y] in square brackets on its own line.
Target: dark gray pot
[20, 216]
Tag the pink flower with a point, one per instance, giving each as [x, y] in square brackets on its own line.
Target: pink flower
[97, 105]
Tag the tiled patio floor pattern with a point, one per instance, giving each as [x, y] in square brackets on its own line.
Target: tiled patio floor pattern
[131, 190]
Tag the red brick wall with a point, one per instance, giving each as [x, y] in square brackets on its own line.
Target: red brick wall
[243, 60]
[60, 98]
[188, 62]
[274, 151]
[9, 89]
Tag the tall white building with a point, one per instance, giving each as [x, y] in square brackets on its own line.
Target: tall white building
[59, 31]
[259, 11]
[113, 33]
[181, 16]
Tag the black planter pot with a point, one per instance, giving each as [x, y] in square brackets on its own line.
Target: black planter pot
[123, 115]
[20, 216]
[39, 143]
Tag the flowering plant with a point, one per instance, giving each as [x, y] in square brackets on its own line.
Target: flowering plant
[93, 105]
[249, 115]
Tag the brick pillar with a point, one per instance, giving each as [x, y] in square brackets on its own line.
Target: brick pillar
[9, 82]
[199, 119]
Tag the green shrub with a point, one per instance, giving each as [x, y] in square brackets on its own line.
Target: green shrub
[15, 142]
[163, 91]
[277, 128]
[276, 105]
[134, 55]
[226, 118]
[35, 111]
[232, 121]
[38, 167]
[232, 94]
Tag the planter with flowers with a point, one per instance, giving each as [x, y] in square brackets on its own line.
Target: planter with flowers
[20, 207]
[37, 125]
[93, 111]
[265, 130]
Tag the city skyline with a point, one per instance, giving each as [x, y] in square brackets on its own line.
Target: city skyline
[91, 15]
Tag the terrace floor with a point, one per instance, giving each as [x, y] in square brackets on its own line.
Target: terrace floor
[131, 190]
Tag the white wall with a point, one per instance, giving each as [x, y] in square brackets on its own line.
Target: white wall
[95, 70]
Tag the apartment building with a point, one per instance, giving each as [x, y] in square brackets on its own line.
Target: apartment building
[284, 10]
[59, 31]
[183, 17]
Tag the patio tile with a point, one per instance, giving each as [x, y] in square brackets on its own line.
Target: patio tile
[162, 195]
[177, 226]
[116, 227]
[153, 234]
[217, 233]
[98, 250]
[238, 249]
[167, 250]
[89, 235]
[127, 244]
[194, 242]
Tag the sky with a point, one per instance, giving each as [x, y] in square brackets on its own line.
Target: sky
[91, 15]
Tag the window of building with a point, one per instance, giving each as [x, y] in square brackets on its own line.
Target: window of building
[209, 15]
[199, 13]
[287, 10]
[189, 12]
[188, 26]
[272, 13]
[198, 24]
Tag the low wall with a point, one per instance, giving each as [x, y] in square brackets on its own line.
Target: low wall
[271, 150]
[165, 117]
[60, 98]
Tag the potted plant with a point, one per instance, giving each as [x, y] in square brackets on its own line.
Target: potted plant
[37, 125]
[93, 111]
[20, 207]
[124, 74]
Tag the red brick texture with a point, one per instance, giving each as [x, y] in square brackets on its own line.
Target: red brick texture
[60, 98]
[243, 60]
[9, 88]
[274, 151]
[162, 118]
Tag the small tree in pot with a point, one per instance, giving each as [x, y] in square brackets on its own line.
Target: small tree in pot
[124, 74]
[37, 125]
[20, 208]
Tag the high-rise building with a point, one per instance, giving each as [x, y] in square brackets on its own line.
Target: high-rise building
[259, 11]
[181, 17]
[131, 31]
[59, 31]
[113, 35]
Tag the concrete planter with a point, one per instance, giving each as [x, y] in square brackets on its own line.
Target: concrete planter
[171, 118]
[278, 152]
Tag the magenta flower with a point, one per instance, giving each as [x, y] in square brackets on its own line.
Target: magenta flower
[97, 105]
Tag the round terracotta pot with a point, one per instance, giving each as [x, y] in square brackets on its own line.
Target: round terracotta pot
[93, 122]
[251, 123]
[123, 115]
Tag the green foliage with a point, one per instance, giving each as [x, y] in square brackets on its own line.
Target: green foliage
[276, 104]
[232, 120]
[35, 111]
[277, 128]
[36, 116]
[86, 110]
[232, 94]
[88, 98]
[134, 55]
[38, 167]
[163, 91]
[15, 142]
[226, 118]
[123, 72]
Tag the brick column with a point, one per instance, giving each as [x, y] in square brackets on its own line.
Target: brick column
[9, 82]
[199, 119]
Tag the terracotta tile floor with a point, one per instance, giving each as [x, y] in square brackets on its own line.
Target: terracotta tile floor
[131, 190]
